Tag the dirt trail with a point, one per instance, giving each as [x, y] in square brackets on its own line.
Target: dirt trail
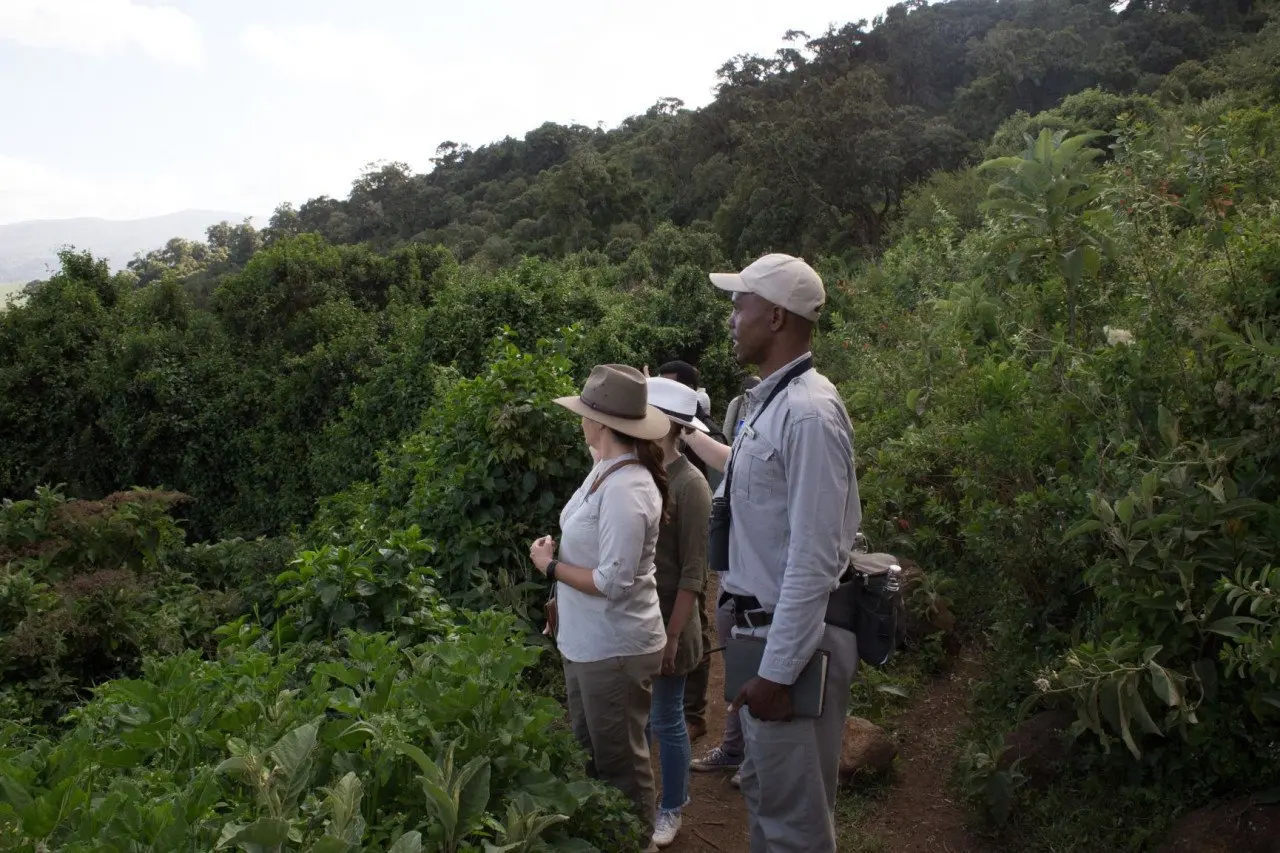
[715, 821]
[918, 814]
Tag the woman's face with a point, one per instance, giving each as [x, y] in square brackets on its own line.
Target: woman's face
[591, 432]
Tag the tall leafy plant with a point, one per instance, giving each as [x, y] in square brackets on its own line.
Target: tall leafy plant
[1042, 209]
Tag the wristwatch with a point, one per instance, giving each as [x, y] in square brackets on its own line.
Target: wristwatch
[551, 570]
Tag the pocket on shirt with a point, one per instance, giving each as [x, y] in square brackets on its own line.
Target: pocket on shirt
[760, 476]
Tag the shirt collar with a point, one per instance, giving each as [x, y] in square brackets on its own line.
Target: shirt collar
[761, 391]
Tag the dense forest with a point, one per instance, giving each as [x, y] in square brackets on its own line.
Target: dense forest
[268, 495]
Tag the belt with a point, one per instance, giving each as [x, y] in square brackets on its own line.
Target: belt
[751, 618]
[749, 613]
[747, 610]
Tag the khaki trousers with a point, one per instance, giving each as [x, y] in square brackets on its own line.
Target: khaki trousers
[792, 770]
[609, 703]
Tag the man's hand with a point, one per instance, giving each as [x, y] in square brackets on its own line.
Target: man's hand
[767, 700]
[669, 655]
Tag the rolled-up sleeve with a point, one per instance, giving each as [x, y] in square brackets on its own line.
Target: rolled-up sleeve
[818, 457]
[693, 506]
[623, 527]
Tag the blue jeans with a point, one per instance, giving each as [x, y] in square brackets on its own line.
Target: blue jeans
[667, 721]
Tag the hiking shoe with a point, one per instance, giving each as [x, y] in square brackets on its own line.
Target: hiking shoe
[716, 759]
[736, 781]
[696, 729]
[666, 827]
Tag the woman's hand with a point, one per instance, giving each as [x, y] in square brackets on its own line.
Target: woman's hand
[669, 655]
[542, 551]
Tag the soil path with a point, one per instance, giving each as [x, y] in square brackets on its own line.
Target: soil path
[919, 812]
[715, 821]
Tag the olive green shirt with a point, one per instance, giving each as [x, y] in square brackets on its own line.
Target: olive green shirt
[681, 558]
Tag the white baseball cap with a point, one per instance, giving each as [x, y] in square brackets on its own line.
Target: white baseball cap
[786, 281]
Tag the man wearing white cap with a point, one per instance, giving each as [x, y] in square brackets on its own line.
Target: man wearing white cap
[793, 511]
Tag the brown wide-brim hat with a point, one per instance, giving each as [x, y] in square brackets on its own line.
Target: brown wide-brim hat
[618, 397]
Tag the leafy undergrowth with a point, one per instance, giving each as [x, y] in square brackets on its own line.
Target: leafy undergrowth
[365, 743]
[349, 706]
[1071, 414]
[90, 588]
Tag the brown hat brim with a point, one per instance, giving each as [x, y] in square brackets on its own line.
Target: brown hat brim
[653, 426]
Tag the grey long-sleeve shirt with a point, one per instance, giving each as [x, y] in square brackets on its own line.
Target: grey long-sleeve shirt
[795, 510]
[615, 534]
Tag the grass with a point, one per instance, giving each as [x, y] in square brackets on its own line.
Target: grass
[854, 809]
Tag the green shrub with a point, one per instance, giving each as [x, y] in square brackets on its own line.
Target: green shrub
[87, 588]
[344, 747]
[485, 476]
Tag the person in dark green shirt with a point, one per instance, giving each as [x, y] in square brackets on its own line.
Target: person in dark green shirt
[695, 699]
[681, 574]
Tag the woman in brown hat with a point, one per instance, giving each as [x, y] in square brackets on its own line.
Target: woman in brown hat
[609, 622]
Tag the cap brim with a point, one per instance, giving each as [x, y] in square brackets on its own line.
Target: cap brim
[653, 426]
[730, 281]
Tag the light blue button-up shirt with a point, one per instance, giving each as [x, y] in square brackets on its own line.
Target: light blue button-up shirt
[795, 511]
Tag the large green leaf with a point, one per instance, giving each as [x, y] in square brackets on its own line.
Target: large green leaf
[332, 844]
[1071, 265]
[473, 784]
[293, 750]
[1232, 626]
[410, 842]
[1164, 686]
[263, 835]
[1070, 148]
[1089, 525]
[1138, 708]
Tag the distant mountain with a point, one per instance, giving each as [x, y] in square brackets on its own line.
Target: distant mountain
[29, 250]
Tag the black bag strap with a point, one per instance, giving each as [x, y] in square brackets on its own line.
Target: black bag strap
[794, 373]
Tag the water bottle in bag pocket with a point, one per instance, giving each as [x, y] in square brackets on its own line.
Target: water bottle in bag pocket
[878, 605]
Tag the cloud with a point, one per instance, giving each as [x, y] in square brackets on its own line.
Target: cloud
[31, 190]
[324, 53]
[100, 27]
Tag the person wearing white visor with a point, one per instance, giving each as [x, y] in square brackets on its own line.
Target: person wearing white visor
[681, 561]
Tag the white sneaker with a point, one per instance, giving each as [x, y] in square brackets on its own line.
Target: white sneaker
[666, 827]
[736, 781]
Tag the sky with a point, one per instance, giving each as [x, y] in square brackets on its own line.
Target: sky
[131, 108]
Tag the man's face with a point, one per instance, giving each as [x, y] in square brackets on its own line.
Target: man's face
[751, 325]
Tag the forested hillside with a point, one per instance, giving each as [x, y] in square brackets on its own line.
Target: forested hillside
[1050, 238]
